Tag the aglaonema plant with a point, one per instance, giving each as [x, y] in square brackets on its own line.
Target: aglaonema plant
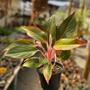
[47, 45]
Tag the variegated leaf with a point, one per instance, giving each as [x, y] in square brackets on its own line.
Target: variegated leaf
[68, 44]
[20, 51]
[47, 72]
[35, 33]
[35, 62]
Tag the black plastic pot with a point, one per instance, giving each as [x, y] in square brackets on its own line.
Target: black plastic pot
[54, 82]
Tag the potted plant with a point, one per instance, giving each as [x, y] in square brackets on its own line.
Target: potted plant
[47, 44]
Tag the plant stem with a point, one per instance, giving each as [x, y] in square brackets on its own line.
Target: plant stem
[70, 7]
[82, 14]
[87, 67]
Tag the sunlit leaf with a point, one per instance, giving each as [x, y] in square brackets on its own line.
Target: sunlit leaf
[20, 51]
[47, 72]
[35, 33]
[68, 44]
[52, 28]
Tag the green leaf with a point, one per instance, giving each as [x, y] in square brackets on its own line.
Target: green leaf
[47, 72]
[67, 27]
[80, 18]
[52, 28]
[58, 17]
[20, 51]
[65, 54]
[35, 33]
[35, 62]
[68, 44]
[24, 41]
